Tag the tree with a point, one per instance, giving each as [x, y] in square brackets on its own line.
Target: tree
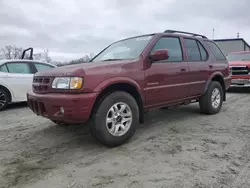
[43, 56]
[14, 52]
[11, 52]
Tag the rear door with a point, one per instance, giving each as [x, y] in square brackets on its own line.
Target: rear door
[199, 69]
[19, 78]
[166, 80]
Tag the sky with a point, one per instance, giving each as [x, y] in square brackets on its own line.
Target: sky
[69, 29]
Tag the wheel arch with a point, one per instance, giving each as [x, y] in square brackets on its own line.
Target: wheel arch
[125, 86]
[216, 76]
[8, 91]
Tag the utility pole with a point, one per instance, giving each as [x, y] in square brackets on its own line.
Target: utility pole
[213, 33]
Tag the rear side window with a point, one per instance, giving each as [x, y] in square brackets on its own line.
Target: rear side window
[173, 45]
[204, 54]
[20, 68]
[216, 50]
[195, 50]
[40, 66]
[3, 68]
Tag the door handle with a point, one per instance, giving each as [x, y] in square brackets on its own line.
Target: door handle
[183, 69]
[211, 66]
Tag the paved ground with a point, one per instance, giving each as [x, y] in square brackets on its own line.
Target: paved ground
[174, 148]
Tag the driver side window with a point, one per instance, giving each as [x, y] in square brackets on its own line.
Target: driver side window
[173, 45]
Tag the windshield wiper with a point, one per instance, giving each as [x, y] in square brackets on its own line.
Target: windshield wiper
[112, 59]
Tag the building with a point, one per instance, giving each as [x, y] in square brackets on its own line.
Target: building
[232, 45]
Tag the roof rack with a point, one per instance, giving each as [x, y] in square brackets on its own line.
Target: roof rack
[31, 53]
[182, 32]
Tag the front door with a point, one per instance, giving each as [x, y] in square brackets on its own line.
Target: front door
[166, 80]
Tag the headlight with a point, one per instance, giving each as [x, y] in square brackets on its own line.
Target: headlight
[67, 83]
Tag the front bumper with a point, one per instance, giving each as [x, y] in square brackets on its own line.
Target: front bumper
[240, 82]
[70, 108]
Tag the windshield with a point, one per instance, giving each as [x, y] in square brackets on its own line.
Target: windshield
[125, 49]
[239, 57]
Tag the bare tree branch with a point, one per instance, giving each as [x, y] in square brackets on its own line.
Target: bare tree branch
[14, 52]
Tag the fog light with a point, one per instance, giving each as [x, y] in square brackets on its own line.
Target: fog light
[62, 110]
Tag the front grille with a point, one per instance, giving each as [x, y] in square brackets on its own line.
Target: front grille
[240, 70]
[37, 107]
[41, 84]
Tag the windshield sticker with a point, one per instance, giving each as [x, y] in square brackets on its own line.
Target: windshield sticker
[144, 38]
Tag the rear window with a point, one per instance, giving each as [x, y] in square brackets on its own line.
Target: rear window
[215, 50]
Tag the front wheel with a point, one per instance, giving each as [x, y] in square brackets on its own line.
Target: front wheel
[211, 102]
[116, 119]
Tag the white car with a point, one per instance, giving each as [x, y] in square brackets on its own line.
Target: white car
[16, 77]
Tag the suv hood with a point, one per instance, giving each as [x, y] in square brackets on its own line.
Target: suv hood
[239, 63]
[81, 69]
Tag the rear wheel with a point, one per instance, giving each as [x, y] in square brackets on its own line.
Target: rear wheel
[211, 102]
[4, 99]
[115, 119]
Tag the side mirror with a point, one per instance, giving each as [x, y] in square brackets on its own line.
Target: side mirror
[159, 55]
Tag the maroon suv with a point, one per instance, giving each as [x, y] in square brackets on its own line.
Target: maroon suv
[132, 76]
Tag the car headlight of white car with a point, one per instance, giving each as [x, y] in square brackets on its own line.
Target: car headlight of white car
[67, 83]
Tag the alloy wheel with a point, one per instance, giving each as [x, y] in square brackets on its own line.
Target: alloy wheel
[119, 119]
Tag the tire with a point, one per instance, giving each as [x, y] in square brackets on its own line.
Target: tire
[103, 132]
[206, 103]
[4, 99]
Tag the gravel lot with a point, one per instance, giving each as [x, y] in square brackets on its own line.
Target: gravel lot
[175, 148]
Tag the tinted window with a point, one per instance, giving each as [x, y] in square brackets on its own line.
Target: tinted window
[172, 44]
[216, 51]
[3, 68]
[40, 66]
[203, 52]
[193, 51]
[22, 68]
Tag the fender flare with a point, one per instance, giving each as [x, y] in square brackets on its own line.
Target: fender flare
[119, 80]
[116, 80]
[208, 82]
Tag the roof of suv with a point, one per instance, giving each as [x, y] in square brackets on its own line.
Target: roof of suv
[183, 33]
[174, 32]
